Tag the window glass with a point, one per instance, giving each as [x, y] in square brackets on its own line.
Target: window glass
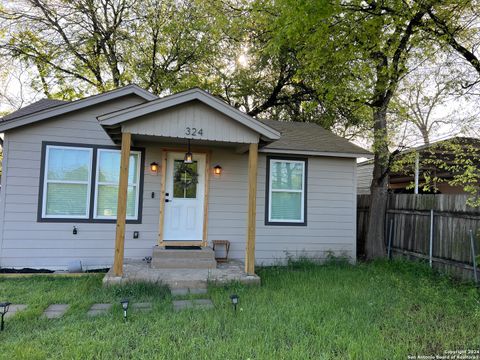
[286, 206]
[287, 175]
[66, 199]
[67, 182]
[286, 191]
[179, 191]
[109, 166]
[68, 164]
[108, 177]
[107, 198]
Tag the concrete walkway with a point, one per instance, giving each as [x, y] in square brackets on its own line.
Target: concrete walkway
[55, 311]
[136, 271]
[192, 304]
[99, 309]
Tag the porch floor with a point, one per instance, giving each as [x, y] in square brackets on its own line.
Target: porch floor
[136, 271]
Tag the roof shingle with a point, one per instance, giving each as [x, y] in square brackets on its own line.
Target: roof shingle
[301, 136]
[40, 105]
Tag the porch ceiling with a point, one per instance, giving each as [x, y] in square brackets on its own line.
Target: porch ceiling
[183, 142]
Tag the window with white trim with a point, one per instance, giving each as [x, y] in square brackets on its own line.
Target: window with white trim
[78, 185]
[286, 191]
[67, 179]
[106, 184]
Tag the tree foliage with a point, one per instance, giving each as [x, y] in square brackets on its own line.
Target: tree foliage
[165, 46]
[455, 162]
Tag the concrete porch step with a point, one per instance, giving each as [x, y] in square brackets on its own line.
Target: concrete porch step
[193, 285]
[178, 253]
[183, 264]
[165, 258]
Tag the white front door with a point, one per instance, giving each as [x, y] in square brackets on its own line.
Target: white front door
[184, 203]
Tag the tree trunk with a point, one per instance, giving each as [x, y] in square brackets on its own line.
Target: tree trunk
[425, 135]
[375, 239]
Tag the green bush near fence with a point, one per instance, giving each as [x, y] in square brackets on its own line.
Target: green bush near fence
[380, 310]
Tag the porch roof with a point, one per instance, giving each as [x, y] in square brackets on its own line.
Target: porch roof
[114, 119]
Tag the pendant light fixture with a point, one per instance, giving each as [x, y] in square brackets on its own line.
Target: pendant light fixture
[188, 155]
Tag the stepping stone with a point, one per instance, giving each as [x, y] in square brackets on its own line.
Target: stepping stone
[56, 311]
[186, 291]
[142, 306]
[99, 309]
[203, 303]
[188, 304]
[13, 309]
[182, 304]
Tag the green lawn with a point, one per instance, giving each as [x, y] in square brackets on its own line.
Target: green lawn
[370, 311]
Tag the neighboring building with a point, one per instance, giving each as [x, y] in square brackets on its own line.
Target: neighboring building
[62, 165]
[403, 182]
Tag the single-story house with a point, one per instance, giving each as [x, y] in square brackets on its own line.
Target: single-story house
[420, 162]
[124, 171]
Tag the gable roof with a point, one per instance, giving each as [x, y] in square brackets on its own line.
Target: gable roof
[310, 139]
[279, 137]
[37, 106]
[44, 113]
[184, 97]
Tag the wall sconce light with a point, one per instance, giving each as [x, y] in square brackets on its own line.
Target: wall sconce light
[154, 168]
[125, 308]
[188, 155]
[217, 170]
[3, 310]
[234, 299]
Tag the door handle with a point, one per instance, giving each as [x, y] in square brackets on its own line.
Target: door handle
[167, 200]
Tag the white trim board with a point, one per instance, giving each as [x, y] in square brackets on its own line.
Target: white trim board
[76, 105]
[187, 96]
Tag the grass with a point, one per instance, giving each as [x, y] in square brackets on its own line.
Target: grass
[380, 310]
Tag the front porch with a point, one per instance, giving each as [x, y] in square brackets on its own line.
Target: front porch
[224, 273]
[183, 213]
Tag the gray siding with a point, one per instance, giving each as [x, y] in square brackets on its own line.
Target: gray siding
[331, 210]
[172, 123]
[24, 242]
[27, 243]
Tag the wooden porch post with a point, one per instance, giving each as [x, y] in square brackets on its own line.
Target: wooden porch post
[122, 205]
[162, 198]
[252, 208]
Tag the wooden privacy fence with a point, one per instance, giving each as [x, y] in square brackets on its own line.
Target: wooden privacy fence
[408, 225]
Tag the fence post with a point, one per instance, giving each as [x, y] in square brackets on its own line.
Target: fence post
[474, 260]
[430, 255]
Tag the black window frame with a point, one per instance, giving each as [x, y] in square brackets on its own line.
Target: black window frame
[267, 192]
[91, 218]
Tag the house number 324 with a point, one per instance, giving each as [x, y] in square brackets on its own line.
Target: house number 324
[193, 131]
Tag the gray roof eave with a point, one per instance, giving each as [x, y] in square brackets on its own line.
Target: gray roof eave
[76, 105]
